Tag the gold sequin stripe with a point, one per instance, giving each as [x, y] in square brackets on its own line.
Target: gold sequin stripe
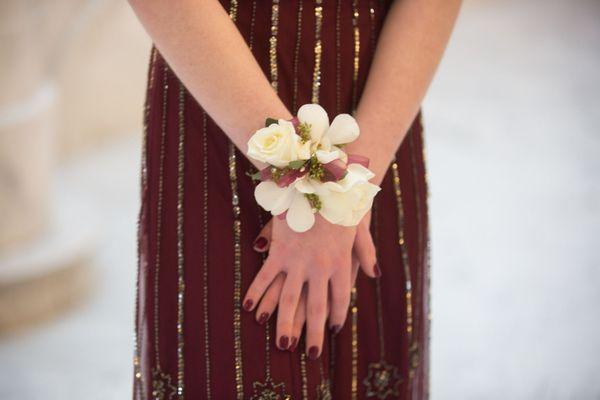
[138, 387]
[237, 256]
[356, 31]
[354, 312]
[372, 26]
[375, 224]
[406, 267]
[338, 57]
[273, 43]
[297, 56]
[324, 387]
[180, 238]
[205, 254]
[316, 84]
[303, 375]
[159, 211]
[233, 9]
[162, 386]
[237, 274]
[356, 64]
[252, 23]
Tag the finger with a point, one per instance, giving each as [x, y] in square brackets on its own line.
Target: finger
[365, 251]
[288, 302]
[261, 282]
[263, 240]
[299, 320]
[269, 300]
[315, 316]
[339, 285]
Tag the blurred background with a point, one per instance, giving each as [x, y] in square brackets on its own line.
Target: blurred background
[513, 144]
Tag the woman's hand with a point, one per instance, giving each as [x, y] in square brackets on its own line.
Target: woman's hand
[338, 266]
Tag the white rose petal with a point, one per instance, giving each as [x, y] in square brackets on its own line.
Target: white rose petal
[276, 144]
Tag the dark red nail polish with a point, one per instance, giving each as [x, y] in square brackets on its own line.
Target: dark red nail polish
[313, 353]
[260, 243]
[263, 318]
[377, 270]
[248, 304]
[283, 342]
[336, 329]
[294, 344]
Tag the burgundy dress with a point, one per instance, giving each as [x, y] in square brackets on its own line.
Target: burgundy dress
[198, 220]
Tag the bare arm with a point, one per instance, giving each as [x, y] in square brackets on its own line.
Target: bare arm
[207, 52]
[408, 52]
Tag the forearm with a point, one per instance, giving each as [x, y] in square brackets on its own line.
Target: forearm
[409, 49]
[209, 55]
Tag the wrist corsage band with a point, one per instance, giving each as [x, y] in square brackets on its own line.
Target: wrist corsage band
[308, 170]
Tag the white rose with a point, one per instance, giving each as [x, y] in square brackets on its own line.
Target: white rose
[278, 144]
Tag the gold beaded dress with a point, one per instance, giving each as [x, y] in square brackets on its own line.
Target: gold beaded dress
[198, 220]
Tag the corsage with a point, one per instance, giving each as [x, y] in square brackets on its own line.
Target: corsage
[308, 172]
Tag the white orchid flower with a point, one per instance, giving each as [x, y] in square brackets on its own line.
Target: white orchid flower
[300, 215]
[325, 138]
[346, 201]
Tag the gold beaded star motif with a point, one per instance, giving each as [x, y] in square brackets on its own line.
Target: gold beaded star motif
[162, 388]
[382, 380]
[268, 390]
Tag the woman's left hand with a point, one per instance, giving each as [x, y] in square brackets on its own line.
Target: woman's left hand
[363, 253]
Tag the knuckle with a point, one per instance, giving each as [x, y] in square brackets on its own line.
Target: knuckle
[342, 301]
[317, 308]
[288, 299]
[262, 278]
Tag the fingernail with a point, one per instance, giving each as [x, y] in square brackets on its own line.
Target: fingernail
[313, 353]
[283, 342]
[377, 270]
[294, 344]
[248, 304]
[336, 329]
[263, 318]
[260, 243]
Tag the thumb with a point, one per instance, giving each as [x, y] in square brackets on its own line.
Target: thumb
[263, 240]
